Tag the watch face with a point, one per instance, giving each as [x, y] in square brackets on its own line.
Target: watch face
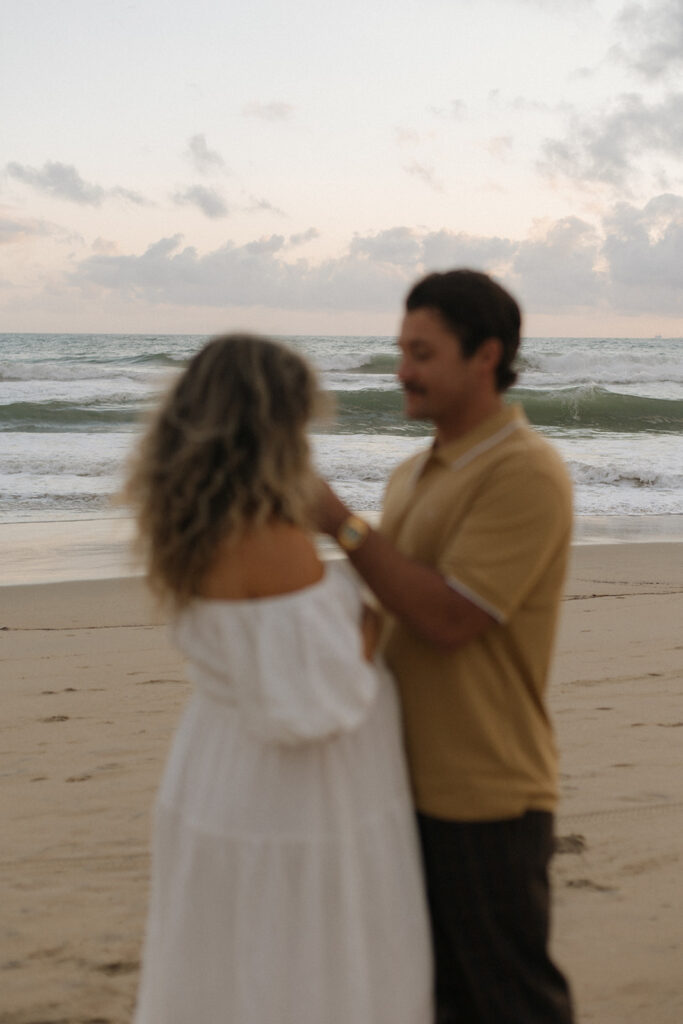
[352, 533]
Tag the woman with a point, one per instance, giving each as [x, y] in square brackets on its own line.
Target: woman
[285, 879]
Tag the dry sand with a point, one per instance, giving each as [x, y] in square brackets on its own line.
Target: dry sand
[91, 692]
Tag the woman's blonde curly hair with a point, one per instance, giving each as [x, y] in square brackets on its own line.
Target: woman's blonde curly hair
[227, 450]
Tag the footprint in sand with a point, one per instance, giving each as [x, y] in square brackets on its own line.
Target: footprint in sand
[119, 967]
[585, 883]
[40, 954]
[572, 843]
[78, 778]
[55, 718]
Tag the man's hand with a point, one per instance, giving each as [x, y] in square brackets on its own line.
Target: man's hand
[415, 593]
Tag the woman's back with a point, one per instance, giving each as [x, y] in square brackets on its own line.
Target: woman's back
[273, 559]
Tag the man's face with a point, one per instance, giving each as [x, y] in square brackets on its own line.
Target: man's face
[438, 382]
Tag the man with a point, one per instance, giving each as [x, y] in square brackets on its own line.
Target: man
[468, 565]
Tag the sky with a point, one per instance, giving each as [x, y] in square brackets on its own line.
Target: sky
[294, 167]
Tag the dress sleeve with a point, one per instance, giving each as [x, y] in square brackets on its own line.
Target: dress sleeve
[293, 667]
[519, 522]
[311, 680]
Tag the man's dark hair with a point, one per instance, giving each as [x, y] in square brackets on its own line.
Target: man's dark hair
[474, 308]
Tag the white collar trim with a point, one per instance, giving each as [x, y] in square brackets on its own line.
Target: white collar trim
[484, 446]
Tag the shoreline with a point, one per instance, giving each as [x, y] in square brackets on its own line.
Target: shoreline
[59, 550]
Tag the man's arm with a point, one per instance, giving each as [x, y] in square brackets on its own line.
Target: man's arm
[416, 594]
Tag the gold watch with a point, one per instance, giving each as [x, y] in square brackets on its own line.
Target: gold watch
[352, 533]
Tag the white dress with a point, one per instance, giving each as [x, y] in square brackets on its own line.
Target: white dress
[286, 886]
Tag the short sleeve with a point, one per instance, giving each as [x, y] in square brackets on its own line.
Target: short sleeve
[518, 523]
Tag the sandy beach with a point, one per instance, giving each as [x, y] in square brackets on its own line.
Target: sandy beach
[91, 692]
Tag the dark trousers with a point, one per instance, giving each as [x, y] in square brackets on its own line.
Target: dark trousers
[489, 900]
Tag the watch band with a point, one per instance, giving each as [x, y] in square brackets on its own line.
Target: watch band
[352, 533]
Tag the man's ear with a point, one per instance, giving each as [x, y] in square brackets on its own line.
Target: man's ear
[490, 353]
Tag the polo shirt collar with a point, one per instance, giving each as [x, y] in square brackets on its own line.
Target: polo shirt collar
[484, 436]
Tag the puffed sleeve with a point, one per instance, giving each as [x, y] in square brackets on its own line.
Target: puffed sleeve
[292, 665]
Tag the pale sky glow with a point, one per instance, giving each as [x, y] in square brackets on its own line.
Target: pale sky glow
[180, 167]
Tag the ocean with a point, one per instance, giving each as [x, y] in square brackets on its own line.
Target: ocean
[70, 408]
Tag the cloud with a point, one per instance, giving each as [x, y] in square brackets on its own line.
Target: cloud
[604, 149]
[399, 247]
[304, 236]
[13, 230]
[208, 200]
[268, 111]
[631, 262]
[644, 250]
[373, 274]
[266, 246]
[264, 206]
[254, 274]
[425, 174]
[127, 194]
[60, 180]
[558, 270]
[104, 245]
[64, 182]
[653, 35]
[204, 159]
[442, 249]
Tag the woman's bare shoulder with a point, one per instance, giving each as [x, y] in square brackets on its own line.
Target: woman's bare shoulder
[274, 559]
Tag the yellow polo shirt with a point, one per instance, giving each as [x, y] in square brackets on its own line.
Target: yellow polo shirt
[491, 511]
